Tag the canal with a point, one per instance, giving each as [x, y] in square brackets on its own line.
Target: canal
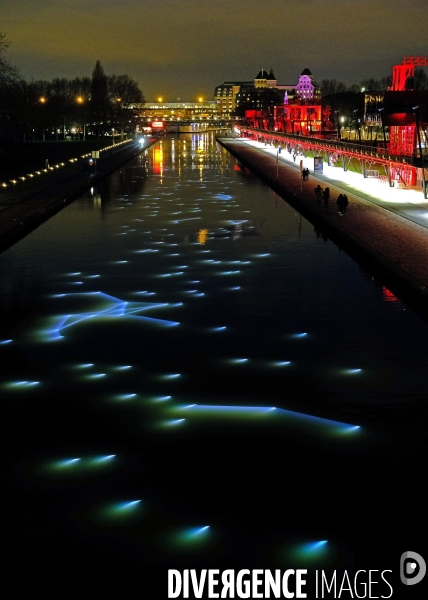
[194, 377]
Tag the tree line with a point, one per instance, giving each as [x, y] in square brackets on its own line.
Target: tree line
[43, 110]
[342, 101]
[332, 86]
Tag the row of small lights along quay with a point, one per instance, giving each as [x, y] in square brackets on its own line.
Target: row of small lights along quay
[52, 168]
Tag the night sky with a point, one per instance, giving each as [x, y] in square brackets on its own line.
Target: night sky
[184, 48]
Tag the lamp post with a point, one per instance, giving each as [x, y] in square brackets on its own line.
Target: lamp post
[336, 112]
[356, 111]
[81, 100]
[119, 116]
[41, 100]
[77, 100]
[342, 121]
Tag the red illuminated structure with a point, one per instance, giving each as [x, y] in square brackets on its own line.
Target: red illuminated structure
[402, 75]
[298, 118]
[404, 111]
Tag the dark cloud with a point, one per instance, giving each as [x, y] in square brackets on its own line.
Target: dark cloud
[183, 48]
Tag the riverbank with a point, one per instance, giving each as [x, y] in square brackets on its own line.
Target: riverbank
[22, 212]
[17, 162]
[387, 244]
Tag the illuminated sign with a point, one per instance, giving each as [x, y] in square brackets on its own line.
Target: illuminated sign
[158, 124]
[318, 164]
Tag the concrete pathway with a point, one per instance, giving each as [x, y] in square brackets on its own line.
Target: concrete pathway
[381, 235]
[407, 202]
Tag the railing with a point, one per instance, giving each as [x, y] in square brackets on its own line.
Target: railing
[335, 146]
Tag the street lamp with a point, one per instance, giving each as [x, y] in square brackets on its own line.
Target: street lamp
[336, 112]
[356, 111]
[41, 100]
[119, 116]
[77, 100]
[81, 100]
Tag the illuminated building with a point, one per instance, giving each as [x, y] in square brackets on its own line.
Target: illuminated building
[405, 111]
[263, 93]
[305, 89]
[225, 95]
[298, 118]
[176, 111]
[265, 80]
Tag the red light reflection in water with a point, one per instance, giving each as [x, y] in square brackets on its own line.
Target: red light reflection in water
[388, 296]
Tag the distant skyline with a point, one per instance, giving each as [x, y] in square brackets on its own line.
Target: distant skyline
[184, 48]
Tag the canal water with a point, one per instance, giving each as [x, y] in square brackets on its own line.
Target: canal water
[194, 377]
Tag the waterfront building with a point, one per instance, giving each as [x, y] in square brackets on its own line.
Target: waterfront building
[263, 93]
[176, 111]
[226, 95]
[301, 119]
[305, 89]
[265, 80]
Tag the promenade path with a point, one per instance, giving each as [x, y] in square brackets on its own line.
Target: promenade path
[21, 212]
[385, 228]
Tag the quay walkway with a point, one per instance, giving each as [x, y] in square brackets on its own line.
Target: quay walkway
[385, 229]
[21, 212]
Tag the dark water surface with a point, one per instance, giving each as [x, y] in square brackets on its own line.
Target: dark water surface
[192, 377]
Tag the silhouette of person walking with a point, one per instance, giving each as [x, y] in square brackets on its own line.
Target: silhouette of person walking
[339, 204]
[345, 203]
[326, 196]
[318, 193]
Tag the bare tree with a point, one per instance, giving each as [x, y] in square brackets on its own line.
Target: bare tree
[331, 86]
[421, 80]
[123, 91]
[8, 73]
[99, 96]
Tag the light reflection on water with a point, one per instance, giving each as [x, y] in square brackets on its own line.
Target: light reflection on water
[308, 337]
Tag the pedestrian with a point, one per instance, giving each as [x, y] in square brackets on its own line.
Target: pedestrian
[307, 174]
[303, 174]
[318, 193]
[345, 203]
[326, 196]
[339, 202]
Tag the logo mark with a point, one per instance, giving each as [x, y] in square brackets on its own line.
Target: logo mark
[412, 568]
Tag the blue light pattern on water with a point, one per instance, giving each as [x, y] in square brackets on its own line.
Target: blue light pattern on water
[282, 343]
[345, 427]
[118, 308]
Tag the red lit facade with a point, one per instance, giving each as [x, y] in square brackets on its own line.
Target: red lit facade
[298, 118]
